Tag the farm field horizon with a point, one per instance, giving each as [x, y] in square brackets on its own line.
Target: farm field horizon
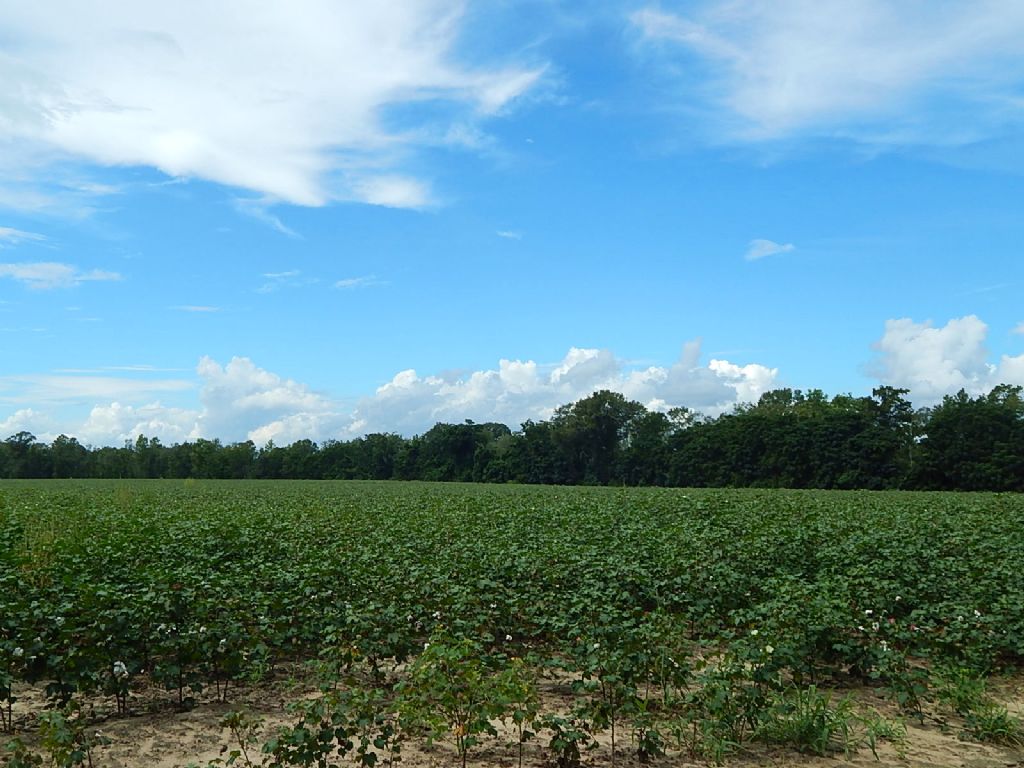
[444, 623]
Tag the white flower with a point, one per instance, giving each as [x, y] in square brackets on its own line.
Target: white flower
[595, 646]
[898, 598]
[885, 646]
[753, 633]
[436, 614]
[425, 646]
[769, 650]
[874, 626]
[120, 670]
[868, 612]
[222, 646]
[202, 630]
[493, 606]
[19, 652]
[977, 613]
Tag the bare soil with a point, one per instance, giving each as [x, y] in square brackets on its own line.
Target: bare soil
[156, 735]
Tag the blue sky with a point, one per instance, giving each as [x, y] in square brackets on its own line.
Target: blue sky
[312, 219]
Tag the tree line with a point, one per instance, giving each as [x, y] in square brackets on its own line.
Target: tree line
[789, 438]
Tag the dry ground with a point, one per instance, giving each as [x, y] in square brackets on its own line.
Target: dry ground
[155, 735]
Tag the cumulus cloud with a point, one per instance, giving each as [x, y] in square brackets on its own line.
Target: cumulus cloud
[239, 400]
[42, 275]
[243, 401]
[27, 420]
[932, 362]
[290, 101]
[758, 249]
[518, 390]
[117, 423]
[934, 72]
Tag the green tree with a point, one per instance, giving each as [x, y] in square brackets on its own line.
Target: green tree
[69, 457]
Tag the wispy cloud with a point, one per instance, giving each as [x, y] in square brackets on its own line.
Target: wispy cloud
[509, 234]
[296, 113]
[143, 368]
[356, 282]
[1019, 329]
[94, 188]
[200, 308]
[758, 249]
[258, 209]
[873, 70]
[292, 278]
[49, 388]
[11, 236]
[44, 275]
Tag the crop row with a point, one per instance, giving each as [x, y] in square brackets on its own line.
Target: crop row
[205, 584]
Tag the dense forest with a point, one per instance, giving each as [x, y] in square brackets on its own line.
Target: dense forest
[789, 438]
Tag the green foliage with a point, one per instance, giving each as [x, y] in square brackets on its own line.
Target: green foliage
[570, 737]
[984, 719]
[789, 438]
[17, 754]
[68, 737]
[245, 729]
[451, 687]
[359, 723]
[808, 720]
[878, 729]
[684, 619]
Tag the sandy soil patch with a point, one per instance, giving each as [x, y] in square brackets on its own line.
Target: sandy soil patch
[156, 735]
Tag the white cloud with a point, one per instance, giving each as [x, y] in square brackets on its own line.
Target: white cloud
[50, 274]
[520, 390]
[758, 249]
[240, 400]
[933, 362]
[201, 308]
[63, 388]
[258, 209]
[11, 236]
[509, 234]
[27, 420]
[116, 423]
[290, 101]
[391, 191]
[1019, 329]
[243, 401]
[356, 282]
[292, 278]
[930, 72]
